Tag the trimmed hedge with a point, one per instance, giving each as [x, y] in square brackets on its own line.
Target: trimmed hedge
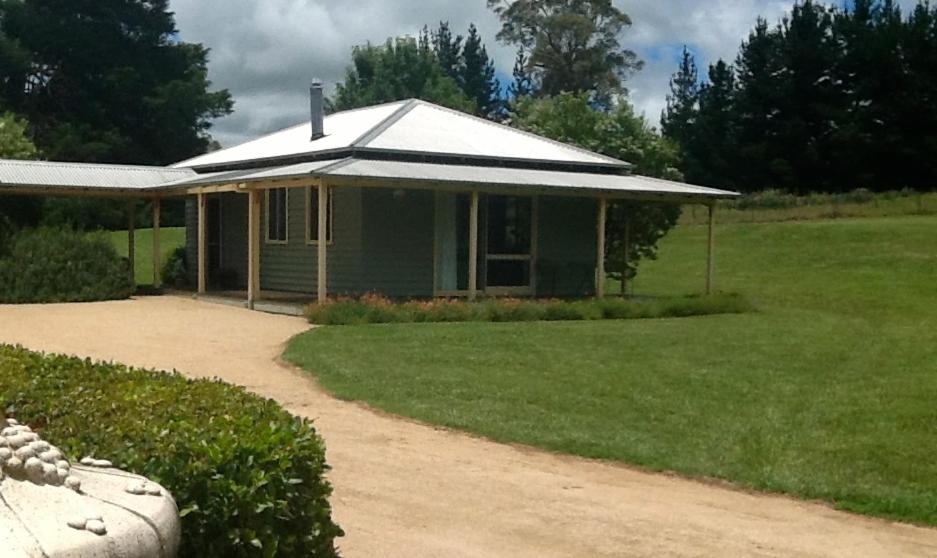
[247, 476]
[375, 309]
[60, 265]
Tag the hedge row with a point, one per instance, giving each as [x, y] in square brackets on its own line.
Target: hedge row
[60, 265]
[372, 309]
[247, 476]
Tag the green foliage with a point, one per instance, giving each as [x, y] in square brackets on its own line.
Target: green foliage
[400, 69]
[478, 79]
[622, 134]
[247, 476]
[572, 46]
[106, 81]
[15, 211]
[374, 309]
[59, 265]
[175, 270]
[13, 141]
[828, 99]
[678, 117]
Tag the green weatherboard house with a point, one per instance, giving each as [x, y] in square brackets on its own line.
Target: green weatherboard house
[406, 199]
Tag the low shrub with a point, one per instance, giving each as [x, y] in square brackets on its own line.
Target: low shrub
[59, 265]
[247, 476]
[374, 309]
[175, 270]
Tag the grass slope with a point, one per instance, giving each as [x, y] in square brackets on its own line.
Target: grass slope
[170, 238]
[827, 392]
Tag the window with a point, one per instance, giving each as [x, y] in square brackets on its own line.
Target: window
[276, 216]
[312, 216]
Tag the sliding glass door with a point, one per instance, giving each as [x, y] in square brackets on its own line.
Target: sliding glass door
[508, 250]
[505, 244]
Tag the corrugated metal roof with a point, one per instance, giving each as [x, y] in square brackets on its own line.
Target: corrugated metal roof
[81, 175]
[431, 128]
[342, 129]
[432, 174]
[411, 126]
[522, 178]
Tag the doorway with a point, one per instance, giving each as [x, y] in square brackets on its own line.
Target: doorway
[506, 244]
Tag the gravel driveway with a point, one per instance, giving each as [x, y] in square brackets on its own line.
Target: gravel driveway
[407, 489]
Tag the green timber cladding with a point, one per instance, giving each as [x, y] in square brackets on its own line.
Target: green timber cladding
[382, 241]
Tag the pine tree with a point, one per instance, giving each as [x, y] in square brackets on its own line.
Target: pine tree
[478, 76]
[448, 50]
[523, 85]
[713, 143]
[679, 116]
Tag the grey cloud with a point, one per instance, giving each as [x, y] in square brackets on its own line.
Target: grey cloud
[265, 52]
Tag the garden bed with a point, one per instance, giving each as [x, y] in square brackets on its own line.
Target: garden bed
[375, 309]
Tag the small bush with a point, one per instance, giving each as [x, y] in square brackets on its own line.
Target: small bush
[175, 270]
[374, 309]
[59, 265]
[247, 476]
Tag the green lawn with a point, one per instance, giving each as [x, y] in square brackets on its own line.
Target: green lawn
[829, 391]
[169, 239]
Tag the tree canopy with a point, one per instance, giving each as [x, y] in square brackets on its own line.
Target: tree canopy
[106, 80]
[399, 69]
[438, 67]
[634, 228]
[829, 99]
[571, 45]
[13, 141]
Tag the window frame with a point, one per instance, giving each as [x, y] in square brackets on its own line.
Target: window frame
[330, 212]
[286, 217]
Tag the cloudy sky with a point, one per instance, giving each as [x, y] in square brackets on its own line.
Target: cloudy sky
[266, 51]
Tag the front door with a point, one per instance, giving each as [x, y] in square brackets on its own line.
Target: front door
[509, 245]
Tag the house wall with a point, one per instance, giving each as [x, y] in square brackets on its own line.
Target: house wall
[383, 242]
[397, 242]
[566, 246]
[291, 267]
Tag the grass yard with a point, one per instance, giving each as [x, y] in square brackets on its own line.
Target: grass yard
[170, 238]
[829, 391]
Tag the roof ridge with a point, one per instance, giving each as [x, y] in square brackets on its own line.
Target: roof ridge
[402, 102]
[499, 125]
[364, 139]
[111, 166]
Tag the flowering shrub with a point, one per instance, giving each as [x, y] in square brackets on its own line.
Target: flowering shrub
[377, 309]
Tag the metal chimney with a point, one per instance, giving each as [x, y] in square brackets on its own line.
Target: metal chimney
[316, 108]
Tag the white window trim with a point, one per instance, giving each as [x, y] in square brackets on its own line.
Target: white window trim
[331, 201]
[286, 209]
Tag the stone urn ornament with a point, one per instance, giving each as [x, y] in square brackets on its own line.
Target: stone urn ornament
[50, 508]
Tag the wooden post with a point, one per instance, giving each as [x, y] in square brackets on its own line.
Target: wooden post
[131, 225]
[202, 243]
[473, 248]
[322, 252]
[627, 250]
[157, 256]
[600, 250]
[710, 264]
[253, 247]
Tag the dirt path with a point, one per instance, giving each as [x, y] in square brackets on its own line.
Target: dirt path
[405, 489]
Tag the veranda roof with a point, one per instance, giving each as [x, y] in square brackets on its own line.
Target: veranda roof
[44, 176]
[402, 174]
